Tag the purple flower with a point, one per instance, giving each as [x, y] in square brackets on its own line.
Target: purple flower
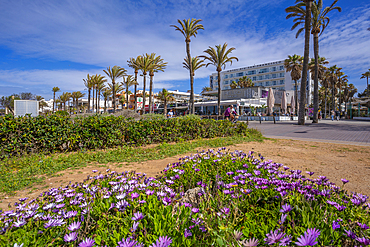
[339, 207]
[195, 210]
[52, 223]
[225, 210]
[350, 234]
[363, 240]
[274, 237]
[363, 226]
[282, 219]
[335, 225]
[94, 171]
[134, 226]
[137, 216]
[187, 233]
[162, 242]
[87, 242]
[70, 237]
[74, 226]
[286, 208]
[229, 173]
[129, 243]
[121, 205]
[149, 192]
[250, 242]
[308, 238]
[310, 173]
[19, 223]
[134, 195]
[257, 172]
[344, 181]
[285, 241]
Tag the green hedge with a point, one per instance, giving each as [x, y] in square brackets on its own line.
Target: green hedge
[54, 133]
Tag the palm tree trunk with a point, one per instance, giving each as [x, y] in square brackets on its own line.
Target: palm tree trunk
[150, 93]
[54, 103]
[126, 97]
[191, 76]
[165, 107]
[144, 87]
[219, 92]
[135, 106]
[296, 98]
[105, 105]
[96, 100]
[316, 79]
[93, 98]
[326, 95]
[333, 96]
[114, 95]
[367, 85]
[301, 115]
[99, 101]
[88, 100]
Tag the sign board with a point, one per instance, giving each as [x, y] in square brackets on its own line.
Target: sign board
[23, 107]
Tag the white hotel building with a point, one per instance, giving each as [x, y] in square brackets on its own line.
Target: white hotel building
[267, 75]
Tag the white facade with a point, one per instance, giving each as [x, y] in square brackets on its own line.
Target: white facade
[268, 75]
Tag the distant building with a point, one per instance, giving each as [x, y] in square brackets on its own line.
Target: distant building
[267, 75]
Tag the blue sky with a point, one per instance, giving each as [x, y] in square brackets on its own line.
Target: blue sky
[57, 43]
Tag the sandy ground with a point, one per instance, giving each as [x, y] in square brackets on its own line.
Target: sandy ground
[335, 161]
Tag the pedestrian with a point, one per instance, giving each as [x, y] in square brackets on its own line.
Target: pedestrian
[227, 113]
[332, 115]
[337, 114]
[170, 114]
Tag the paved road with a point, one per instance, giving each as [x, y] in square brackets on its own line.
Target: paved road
[345, 131]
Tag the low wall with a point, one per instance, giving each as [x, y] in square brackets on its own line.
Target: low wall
[267, 118]
[362, 118]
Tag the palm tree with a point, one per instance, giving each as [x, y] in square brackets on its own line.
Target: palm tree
[195, 64]
[157, 65]
[325, 83]
[307, 22]
[293, 64]
[165, 97]
[55, 90]
[245, 82]
[106, 93]
[349, 92]
[134, 64]
[342, 83]
[206, 89]
[319, 22]
[76, 96]
[317, 66]
[89, 86]
[66, 96]
[333, 73]
[233, 85]
[145, 64]
[189, 28]
[114, 73]
[128, 82]
[219, 57]
[366, 75]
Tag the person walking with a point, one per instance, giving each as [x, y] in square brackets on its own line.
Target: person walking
[332, 115]
[227, 113]
[170, 114]
[337, 115]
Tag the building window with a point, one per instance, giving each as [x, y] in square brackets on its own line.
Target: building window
[281, 67]
[273, 69]
[267, 76]
[254, 78]
[231, 75]
[267, 83]
[282, 88]
[273, 76]
[226, 76]
[251, 72]
[260, 77]
[239, 74]
[281, 74]
[281, 82]
[274, 83]
[264, 70]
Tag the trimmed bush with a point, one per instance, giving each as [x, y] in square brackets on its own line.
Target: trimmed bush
[45, 134]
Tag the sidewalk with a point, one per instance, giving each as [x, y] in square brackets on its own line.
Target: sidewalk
[343, 131]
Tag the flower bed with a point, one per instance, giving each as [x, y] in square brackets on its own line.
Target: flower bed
[44, 134]
[213, 198]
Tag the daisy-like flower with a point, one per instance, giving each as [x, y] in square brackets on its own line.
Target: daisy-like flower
[162, 242]
[335, 225]
[74, 226]
[274, 237]
[129, 243]
[225, 210]
[70, 237]
[286, 208]
[137, 216]
[344, 181]
[195, 210]
[308, 238]
[250, 242]
[87, 242]
[363, 226]
[134, 195]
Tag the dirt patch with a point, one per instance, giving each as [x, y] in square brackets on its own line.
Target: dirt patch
[335, 161]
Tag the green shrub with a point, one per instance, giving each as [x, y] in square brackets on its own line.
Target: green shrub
[54, 133]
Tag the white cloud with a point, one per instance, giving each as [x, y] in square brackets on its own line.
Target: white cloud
[107, 33]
